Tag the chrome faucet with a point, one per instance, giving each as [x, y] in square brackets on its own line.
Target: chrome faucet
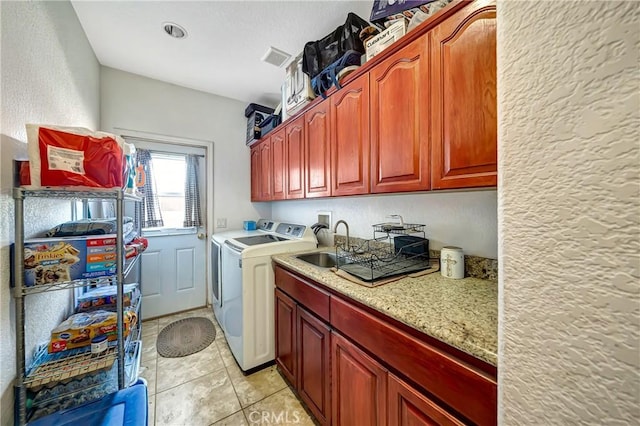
[346, 225]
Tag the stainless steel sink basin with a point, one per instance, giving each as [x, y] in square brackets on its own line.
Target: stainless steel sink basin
[321, 259]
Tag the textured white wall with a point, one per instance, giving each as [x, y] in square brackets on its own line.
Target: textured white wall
[569, 212]
[49, 74]
[466, 219]
[142, 104]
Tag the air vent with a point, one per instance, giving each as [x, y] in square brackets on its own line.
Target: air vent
[276, 57]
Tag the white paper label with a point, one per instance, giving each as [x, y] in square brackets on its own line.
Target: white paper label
[68, 160]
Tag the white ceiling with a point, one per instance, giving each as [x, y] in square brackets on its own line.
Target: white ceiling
[226, 39]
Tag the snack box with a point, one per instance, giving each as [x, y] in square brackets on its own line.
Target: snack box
[78, 330]
[57, 260]
[105, 297]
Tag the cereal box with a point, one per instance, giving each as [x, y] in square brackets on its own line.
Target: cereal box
[57, 260]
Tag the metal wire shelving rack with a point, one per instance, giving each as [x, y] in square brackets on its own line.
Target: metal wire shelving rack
[20, 291]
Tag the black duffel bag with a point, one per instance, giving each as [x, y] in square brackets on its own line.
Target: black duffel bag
[318, 55]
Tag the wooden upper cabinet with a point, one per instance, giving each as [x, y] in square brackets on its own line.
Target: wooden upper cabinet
[463, 93]
[399, 120]
[294, 169]
[278, 165]
[317, 125]
[255, 173]
[350, 138]
[423, 117]
[265, 170]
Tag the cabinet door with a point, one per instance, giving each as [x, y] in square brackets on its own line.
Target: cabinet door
[317, 125]
[399, 120]
[409, 407]
[255, 173]
[314, 384]
[350, 138]
[265, 170]
[285, 312]
[463, 93]
[359, 386]
[295, 158]
[278, 164]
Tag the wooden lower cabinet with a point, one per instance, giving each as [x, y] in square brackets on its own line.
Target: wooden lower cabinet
[359, 386]
[353, 367]
[408, 407]
[285, 311]
[303, 343]
[313, 364]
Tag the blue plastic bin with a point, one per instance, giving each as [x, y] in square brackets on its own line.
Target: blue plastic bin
[127, 407]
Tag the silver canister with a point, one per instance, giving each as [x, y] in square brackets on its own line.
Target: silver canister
[452, 262]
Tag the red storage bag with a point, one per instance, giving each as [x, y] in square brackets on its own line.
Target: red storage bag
[75, 157]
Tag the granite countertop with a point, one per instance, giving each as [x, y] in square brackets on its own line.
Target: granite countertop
[462, 313]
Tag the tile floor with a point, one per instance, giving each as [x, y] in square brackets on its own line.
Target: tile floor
[208, 387]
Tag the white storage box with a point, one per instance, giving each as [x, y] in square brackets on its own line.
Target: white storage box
[297, 88]
[386, 38]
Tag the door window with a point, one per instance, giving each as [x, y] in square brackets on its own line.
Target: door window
[169, 173]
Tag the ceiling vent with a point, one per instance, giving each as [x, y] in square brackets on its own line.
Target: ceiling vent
[174, 30]
[275, 57]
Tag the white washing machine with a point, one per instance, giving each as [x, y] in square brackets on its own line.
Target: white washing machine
[217, 241]
[247, 290]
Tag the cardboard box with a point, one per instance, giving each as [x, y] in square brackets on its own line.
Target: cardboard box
[78, 330]
[106, 297]
[386, 38]
[57, 260]
[384, 10]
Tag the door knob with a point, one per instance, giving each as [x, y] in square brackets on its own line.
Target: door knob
[201, 235]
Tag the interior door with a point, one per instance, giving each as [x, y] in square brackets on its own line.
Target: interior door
[174, 266]
[173, 273]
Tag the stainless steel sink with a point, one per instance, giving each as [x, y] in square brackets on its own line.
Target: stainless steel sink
[321, 259]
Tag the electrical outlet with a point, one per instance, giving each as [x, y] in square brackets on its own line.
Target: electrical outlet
[221, 223]
[325, 217]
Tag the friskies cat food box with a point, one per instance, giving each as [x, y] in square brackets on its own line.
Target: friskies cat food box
[58, 260]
